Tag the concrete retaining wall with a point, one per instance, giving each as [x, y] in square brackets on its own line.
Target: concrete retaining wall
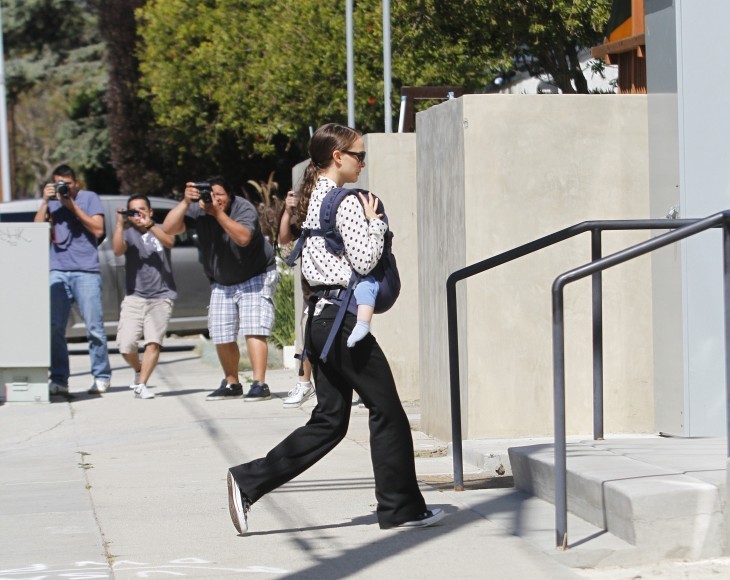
[495, 172]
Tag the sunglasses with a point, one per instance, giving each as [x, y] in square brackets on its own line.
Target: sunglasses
[359, 154]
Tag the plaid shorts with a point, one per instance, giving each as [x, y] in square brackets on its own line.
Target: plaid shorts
[245, 309]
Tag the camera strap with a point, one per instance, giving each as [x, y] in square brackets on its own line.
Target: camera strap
[49, 219]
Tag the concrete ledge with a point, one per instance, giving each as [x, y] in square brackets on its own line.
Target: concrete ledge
[491, 455]
[639, 490]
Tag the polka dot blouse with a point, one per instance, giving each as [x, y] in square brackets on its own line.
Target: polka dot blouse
[363, 240]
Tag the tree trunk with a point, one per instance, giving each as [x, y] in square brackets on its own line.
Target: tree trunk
[556, 65]
[581, 84]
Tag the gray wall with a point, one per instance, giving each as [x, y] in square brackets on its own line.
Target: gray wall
[390, 173]
[687, 77]
[494, 172]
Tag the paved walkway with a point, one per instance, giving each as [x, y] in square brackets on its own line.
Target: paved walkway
[118, 487]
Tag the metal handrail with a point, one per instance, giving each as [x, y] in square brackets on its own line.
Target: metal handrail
[595, 267]
[596, 227]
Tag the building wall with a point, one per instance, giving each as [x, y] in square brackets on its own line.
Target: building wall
[689, 123]
[390, 173]
[493, 172]
[497, 171]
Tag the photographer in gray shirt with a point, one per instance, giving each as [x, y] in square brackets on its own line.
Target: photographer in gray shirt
[241, 267]
[146, 309]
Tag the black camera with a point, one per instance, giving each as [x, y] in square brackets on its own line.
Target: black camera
[205, 188]
[129, 213]
[62, 188]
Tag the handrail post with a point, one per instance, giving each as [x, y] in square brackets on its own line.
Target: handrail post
[726, 293]
[561, 476]
[453, 338]
[681, 229]
[640, 249]
[597, 286]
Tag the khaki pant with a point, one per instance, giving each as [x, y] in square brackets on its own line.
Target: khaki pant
[142, 317]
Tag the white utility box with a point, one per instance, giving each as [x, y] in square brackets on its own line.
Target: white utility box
[25, 340]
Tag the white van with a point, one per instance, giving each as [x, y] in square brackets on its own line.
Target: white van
[190, 313]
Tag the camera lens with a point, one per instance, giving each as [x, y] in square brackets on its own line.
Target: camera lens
[62, 188]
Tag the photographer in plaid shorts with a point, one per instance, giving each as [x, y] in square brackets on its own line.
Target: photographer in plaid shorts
[240, 264]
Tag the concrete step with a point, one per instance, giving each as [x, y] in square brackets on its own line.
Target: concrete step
[532, 519]
[665, 496]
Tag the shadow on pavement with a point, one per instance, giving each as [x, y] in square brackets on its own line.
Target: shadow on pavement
[84, 349]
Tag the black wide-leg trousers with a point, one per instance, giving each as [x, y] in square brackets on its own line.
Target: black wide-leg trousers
[364, 369]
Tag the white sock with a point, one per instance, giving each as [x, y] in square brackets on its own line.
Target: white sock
[360, 331]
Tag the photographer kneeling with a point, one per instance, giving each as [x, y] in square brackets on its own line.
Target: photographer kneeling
[240, 265]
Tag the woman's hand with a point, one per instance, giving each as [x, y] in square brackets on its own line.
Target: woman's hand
[291, 202]
[370, 205]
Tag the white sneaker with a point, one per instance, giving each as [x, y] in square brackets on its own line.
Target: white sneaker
[137, 380]
[57, 388]
[100, 386]
[301, 392]
[143, 392]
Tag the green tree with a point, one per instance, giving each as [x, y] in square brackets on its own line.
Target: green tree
[56, 81]
[250, 70]
[474, 41]
[137, 149]
[253, 70]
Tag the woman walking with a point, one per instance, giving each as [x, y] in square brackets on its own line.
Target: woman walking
[337, 156]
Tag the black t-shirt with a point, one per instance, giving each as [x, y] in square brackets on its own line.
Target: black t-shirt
[224, 261]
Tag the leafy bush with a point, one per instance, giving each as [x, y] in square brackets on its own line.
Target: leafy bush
[283, 333]
[269, 208]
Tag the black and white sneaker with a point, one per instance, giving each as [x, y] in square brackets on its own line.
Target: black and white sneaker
[258, 392]
[427, 518]
[225, 392]
[238, 506]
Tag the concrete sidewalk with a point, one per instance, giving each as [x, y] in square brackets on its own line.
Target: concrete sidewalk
[118, 487]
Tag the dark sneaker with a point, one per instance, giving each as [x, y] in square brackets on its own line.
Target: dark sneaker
[225, 392]
[258, 392]
[55, 388]
[238, 506]
[427, 518]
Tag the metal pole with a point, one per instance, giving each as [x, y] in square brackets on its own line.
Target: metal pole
[453, 336]
[561, 476]
[4, 146]
[596, 281]
[386, 68]
[350, 66]
[726, 288]
[402, 115]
